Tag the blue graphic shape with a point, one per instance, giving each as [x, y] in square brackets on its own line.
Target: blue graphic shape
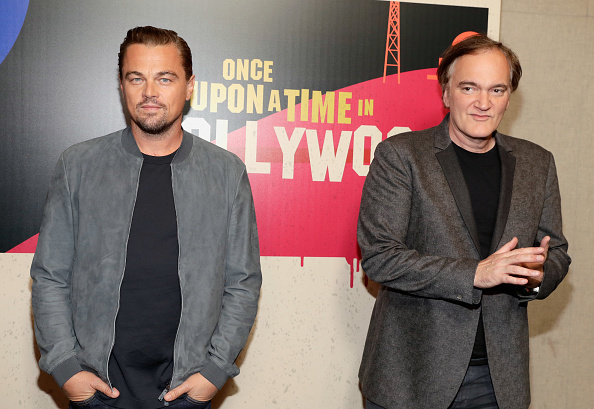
[12, 16]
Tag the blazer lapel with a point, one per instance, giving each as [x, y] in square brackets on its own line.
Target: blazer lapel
[453, 173]
[451, 169]
[508, 166]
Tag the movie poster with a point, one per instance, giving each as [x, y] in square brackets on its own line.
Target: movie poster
[302, 91]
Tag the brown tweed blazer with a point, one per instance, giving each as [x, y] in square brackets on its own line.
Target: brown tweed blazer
[418, 239]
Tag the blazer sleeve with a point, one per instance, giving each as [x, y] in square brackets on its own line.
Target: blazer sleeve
[557, 262]
[382, 234]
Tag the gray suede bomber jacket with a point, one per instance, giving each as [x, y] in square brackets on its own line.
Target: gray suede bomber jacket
[80, 259]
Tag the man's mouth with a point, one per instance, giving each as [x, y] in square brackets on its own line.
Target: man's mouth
[151, 106]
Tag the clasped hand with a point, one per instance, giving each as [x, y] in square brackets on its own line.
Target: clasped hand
[508, 265]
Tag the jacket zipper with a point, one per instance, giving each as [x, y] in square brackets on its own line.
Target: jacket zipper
[121, 281]
[181, 293]
[162, 395]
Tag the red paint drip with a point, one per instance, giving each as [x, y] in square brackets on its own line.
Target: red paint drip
[352, 273]
[355, 267]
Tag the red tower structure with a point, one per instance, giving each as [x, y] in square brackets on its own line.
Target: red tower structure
[393, 39]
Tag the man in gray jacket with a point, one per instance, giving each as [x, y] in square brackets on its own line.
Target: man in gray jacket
[462, 227]
[146, 277]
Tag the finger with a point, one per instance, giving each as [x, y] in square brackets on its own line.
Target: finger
[175, 393]
[530, 258]
[544, 243]
[517, 259]
[104, 388]
[524, 272]
[527, 254]
[516, 280]
[509, 246]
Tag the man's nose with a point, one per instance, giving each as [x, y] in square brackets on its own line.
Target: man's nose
[150, 89]
[483, 101]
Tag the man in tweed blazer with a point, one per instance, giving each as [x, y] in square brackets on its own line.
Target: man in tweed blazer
[462, 227]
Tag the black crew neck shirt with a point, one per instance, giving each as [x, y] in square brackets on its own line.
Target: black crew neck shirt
[482, 174]
[141, 362]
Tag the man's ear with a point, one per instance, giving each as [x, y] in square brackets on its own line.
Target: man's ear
[190, 87]
[445, 97]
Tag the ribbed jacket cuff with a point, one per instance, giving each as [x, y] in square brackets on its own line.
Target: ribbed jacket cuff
[214, 374]
[66, 370]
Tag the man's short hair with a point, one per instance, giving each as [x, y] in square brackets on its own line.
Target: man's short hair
[476, 44]
[153, 36]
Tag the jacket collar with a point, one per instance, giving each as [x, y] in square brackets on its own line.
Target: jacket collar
[130, 145]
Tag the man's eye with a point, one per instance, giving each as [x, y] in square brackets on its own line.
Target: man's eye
[135, 80]
[165, 80]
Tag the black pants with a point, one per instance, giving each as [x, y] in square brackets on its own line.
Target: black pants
[94, 403]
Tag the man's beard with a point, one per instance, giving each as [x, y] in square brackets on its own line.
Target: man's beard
[153, 124]
[153, 127]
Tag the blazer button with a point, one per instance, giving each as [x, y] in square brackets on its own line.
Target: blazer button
[458, 297]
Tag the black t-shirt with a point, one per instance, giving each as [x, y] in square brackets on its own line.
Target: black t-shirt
[141, 363]
[482, 174]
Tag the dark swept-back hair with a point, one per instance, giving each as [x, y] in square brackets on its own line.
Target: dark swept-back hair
[476, 44]
[153, 36]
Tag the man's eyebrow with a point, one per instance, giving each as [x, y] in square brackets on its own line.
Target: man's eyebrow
[131, 73]
[467, 83]
[474, 84]
[170, 73]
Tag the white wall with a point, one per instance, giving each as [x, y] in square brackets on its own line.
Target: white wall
[554, 107]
